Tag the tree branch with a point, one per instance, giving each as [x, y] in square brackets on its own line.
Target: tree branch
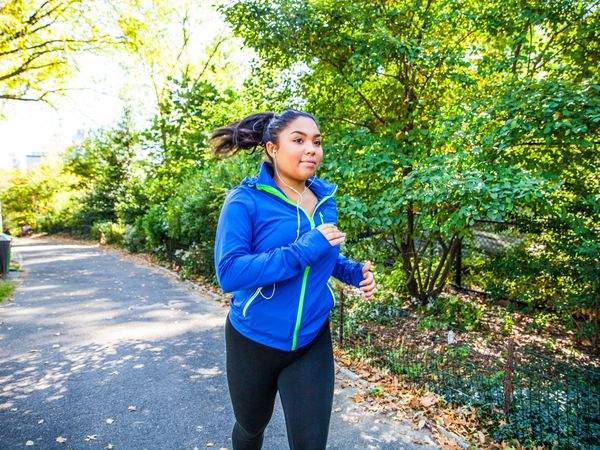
[360, 94]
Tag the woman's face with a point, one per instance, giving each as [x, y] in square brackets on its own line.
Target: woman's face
[298, 152]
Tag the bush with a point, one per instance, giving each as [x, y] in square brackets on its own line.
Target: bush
[155, 229]
[108, 232]
[451, 311]
[134, 239]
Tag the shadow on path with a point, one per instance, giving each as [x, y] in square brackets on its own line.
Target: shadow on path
[98, 350]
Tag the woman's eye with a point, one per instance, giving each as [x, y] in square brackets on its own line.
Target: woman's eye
[318, 143]
[299, 140]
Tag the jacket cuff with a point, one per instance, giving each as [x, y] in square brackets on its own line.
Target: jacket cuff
[312, 246]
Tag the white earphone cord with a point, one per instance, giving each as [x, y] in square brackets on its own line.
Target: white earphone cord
[300, 195]
[300, 198]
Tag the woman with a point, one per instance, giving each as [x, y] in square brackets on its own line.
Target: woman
[276, 246]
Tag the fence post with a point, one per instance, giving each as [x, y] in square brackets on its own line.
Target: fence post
[458, 265]
[341, 319]
[508, 375]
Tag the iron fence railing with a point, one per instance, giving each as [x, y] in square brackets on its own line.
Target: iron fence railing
[532, 398]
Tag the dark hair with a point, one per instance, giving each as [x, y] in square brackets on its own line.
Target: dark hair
[253, 131]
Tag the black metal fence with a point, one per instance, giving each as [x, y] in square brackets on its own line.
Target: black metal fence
[531, 397]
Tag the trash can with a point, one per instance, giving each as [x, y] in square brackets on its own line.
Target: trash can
[4, 255]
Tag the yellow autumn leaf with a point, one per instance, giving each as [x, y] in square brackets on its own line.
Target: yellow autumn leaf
[357, 398]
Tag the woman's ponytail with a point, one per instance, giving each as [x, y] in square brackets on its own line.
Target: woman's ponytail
[253, 131]
[246, 134]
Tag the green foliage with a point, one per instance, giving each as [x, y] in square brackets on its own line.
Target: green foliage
[108, 232]
[548, 278]
[155, 228]
[435, 114]
[192, 215]
[435, 101]
[104, 163]
[39, 41]
[35, 198]
[6, 289]
[177, 139]
[451, 311]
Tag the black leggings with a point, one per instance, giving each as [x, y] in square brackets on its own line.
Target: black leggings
[303, 377]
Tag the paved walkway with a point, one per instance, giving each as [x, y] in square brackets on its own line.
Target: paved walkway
[102, 351]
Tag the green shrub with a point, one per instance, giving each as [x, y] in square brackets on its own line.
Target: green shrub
[108, 232]
[155, 229]
[134, 238]
[450, 310]
[6, 289]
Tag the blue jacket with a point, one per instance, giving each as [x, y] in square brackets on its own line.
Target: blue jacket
[277, 272]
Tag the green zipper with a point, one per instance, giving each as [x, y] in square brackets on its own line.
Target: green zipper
[300, 305]
[250, 301]
[277, 193]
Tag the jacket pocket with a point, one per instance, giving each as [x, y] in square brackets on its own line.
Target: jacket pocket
[250, 300]
[332, 294]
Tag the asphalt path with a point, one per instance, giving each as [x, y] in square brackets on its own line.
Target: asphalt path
[100, 351]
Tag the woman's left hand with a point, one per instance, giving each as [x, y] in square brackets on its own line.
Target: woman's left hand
[367, 286]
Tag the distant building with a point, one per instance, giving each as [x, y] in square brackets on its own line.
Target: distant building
[14, 161]
[34, 159]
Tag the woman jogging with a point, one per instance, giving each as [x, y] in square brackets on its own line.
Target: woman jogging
[276, 246]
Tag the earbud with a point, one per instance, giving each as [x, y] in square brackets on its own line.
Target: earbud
[274, 153]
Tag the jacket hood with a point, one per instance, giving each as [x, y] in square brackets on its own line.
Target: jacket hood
[320, 187]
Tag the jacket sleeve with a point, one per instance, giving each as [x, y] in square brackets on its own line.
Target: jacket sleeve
[238, 268]
[348, 271]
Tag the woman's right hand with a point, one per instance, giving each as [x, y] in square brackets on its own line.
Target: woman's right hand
[332, 234]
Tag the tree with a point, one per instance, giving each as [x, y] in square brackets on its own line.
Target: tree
[38, 42]
[418, 94]
[104, 164]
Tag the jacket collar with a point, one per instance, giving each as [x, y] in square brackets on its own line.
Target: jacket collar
[320, 187]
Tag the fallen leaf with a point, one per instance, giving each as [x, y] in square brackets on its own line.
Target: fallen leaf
[29, 443]
[61, 440]
[41, 421]
[91, 437]
[132, 408]
[414, 402]
[428, 400]
[109, 446]
[110, 421]
[210, 444]
[338, 409]
[421, 423]
[357, 398]
[481, 437]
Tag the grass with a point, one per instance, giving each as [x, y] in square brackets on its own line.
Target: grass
[6, 289]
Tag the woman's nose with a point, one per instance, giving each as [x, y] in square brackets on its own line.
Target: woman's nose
[311, 147]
